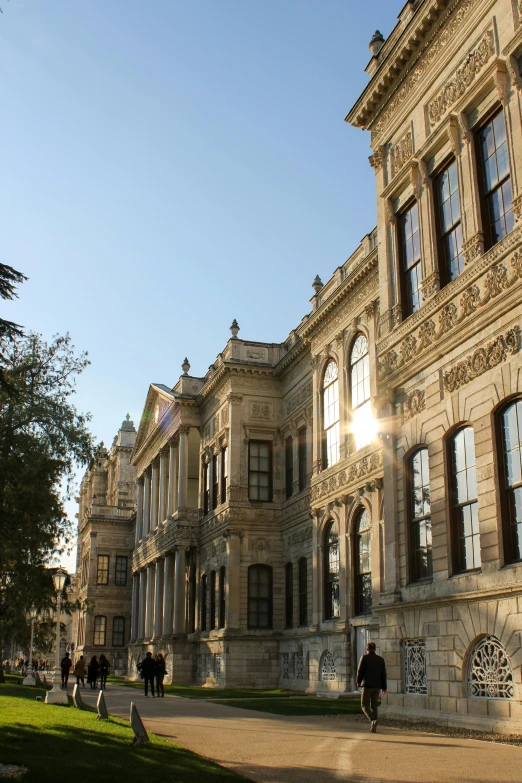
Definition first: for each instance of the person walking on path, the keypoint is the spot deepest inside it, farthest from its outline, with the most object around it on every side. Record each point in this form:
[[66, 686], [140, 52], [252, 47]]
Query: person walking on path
[[104, 671], [371, 675], [161, 671], [92, 672], [66, 668], [79, 671], [147, 669]]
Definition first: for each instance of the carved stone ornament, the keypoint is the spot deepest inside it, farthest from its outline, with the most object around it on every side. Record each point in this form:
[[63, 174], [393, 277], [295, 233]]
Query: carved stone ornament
[[496, 280], [350, 475], [261, 411], [414, 404], [473, 248], [369, 311], [463, 77], [300, 397], [482, 360], [377, 159], [517, 208], [430, 286], [298, 536], [402, 152]]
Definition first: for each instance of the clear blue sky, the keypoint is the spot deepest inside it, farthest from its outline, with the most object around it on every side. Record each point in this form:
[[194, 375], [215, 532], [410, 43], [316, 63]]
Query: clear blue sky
[[170, 165]]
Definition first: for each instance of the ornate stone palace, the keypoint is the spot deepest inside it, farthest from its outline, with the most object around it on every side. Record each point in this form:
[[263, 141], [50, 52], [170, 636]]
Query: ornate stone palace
[[102, 584], [363, 479]]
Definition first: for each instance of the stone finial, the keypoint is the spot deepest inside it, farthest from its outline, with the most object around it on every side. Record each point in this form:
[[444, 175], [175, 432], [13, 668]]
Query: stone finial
[[317, 284], [376, 43], [127, 423], [185, 366], [234, 329]]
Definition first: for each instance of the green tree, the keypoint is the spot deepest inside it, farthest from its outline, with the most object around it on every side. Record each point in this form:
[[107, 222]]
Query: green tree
[[9, 278], [42, 440]]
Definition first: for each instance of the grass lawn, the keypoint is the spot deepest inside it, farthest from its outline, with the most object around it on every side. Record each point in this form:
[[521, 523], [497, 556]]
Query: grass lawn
[[305, 706], [195, 692], [55, 742]]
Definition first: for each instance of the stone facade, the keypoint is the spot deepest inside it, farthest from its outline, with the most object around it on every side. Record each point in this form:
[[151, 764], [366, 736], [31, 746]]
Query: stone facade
[[359, 480], [102, 584]]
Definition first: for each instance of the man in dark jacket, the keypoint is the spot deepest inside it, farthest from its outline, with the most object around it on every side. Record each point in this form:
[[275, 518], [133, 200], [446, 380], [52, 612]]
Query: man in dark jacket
[[148, 670], [371, 674]]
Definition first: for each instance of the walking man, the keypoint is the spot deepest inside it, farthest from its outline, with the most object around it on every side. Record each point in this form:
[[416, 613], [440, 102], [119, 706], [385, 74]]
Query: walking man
[[371, 675], [147, 669]]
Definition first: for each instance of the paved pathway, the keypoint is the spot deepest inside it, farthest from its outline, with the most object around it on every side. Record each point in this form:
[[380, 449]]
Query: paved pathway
[[277, 749]]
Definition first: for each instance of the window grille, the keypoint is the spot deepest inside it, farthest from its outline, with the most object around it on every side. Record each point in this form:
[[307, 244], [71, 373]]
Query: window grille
[[328, 672], [217, 666], [299, 664], [286, 667], [415, 677], [490, 675]]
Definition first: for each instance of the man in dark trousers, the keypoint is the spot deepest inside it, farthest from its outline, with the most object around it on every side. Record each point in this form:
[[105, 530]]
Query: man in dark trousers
[[371, 674], [148, 671]]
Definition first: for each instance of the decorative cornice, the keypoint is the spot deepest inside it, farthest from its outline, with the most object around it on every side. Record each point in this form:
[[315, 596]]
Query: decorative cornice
[[482, 360], [346, 476]]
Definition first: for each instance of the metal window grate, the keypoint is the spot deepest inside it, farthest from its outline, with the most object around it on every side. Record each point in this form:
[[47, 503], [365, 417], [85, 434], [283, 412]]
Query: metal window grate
[[415, 676], [490, 675]]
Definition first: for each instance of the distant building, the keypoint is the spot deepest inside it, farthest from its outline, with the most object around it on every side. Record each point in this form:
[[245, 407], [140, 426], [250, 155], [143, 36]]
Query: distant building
[[105, 541]]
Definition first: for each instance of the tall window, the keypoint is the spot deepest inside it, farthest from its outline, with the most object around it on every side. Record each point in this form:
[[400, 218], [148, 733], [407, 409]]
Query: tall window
[[100, 624], [331, 414], [289, 595], [102, 577], [215, 481], [466, 535], [222, 582], [204, 602], [206, 488], [259, 596], [118, 632], [512, 481], [498, 220], [224, 473], [363, 563], [289, 466], [121, 571], [331, 572], [212, 600], [450, 230], [420, 515], [260, 470], [303, 592], [302, 458], [362, 419], [410, 247]]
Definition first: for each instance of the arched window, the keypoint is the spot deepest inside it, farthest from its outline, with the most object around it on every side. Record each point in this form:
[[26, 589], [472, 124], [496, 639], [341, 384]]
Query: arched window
[[464, 511], [420, 516], [212, 600], [331, 572], [222, 575], [511, 471], [259, 596], [363, 563], [327, 667], [118, 632], [204, 602], [332, 435], [289, 595], [303, 592], [363, 426], [489, 671]]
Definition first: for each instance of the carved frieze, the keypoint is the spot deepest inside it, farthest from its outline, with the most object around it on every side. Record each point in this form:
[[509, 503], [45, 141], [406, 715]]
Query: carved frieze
[[414, 404], [430, 286], [402, 152], [295, 509], [347, 476], [299, 398], [261, 411], [462, 78], [378, 158], [473, 248], [496, 280], [298, 536], [482, 360]]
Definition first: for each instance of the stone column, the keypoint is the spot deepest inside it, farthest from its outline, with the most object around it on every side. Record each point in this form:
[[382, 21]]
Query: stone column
[[149, 604], [172, 485], [146, 503], [179, 592], [168, 595], [135, 607], [391, 533], [162, 510], [142, 604], [139, 512], [317, 570], [183, 470], [154, 496], [233, 578], [158, 598]]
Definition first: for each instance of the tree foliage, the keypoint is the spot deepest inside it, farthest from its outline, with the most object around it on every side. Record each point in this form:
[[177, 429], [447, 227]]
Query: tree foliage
[[42, 439]]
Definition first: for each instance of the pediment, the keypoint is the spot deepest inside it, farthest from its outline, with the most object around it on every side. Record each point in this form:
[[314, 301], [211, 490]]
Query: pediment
[[159, 399]]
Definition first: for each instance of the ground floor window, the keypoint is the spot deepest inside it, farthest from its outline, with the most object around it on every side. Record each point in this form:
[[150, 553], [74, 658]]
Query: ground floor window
[[327, 667], [489, 674], [415, 678]]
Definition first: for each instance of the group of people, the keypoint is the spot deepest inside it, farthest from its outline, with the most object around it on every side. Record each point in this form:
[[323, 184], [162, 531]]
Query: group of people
[[97, 671], [22, 664], [153, 670]]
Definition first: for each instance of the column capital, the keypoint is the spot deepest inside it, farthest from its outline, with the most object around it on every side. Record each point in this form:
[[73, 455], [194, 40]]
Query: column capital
[[184, 429]]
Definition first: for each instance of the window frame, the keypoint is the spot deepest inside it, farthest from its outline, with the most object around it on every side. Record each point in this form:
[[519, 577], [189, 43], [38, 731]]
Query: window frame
[[302, 457], [505, 490], [413, 520], [215, 480], [114, 642], [455, 506], [204, 603], [102, 570], [212, 622], [289, 595], [289, 467], [224, 473], [258, 568], [362, 607], [480, 164], [206, 487], [120, 571], [302, 575], [440, 234], [97, 632], [222, 597], [334, 424], [406, 309], [331, 579], [269, 472]]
